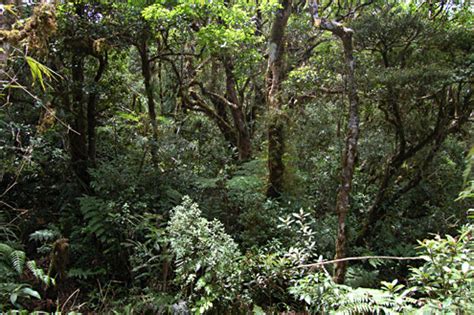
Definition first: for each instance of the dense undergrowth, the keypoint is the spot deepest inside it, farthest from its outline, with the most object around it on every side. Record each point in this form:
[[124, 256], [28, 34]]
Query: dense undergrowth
[[178, 157]]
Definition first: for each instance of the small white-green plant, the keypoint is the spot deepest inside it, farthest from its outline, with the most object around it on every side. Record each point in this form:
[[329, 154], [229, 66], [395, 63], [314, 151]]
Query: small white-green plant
[[207, 259]]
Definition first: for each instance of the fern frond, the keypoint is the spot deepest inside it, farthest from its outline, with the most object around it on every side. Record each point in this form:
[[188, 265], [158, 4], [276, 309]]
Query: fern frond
[[85, 274], [43, 235], [367, 301], [18, 258], [5, 250], [39, 274]]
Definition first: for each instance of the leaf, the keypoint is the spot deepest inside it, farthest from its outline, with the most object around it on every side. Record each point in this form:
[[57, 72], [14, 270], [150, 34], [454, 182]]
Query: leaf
[[14, 298], [128, 116], [8, 8], [37, 70], [465, 267], [5, 249], [18, 258], [257, 310], [31, 292], [42, 235]]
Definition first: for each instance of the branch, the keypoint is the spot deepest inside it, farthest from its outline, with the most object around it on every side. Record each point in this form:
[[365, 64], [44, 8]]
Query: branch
[[162, 55], [215, 96], [200, 105], [321, 263], [357, 8]]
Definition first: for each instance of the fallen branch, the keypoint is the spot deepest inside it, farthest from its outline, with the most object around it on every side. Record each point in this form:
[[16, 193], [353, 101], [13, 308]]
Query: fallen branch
[[321, 263]]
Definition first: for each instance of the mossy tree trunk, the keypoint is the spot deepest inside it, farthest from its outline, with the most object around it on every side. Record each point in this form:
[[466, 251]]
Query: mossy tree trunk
[[276, 126]]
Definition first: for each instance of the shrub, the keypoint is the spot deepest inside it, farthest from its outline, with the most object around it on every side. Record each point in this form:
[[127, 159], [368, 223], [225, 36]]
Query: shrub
[[208, 267]]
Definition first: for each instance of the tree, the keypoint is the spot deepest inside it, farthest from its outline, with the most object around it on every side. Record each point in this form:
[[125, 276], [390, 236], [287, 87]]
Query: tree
[[275, 76], [213, 33], [349, 154], [87, 38], [446, 94]]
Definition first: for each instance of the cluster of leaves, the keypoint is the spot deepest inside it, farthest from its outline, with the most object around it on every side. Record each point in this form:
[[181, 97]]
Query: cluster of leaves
[[447, 278], [443, 283], [213, 274], [17, 274], [238, 250], [207, 259]]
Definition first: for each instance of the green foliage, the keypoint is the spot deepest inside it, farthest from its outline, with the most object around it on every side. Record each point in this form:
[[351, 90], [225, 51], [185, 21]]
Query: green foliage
[[86, 273], [208, 266], [259, 219], [270, 270], [443, 283], [13, 265], [46, 238], [468, 191], [321, 294], [86, 157], [44, 235], [447, 278], [107, 225], [150, 257], [38, 70], [114, 216]]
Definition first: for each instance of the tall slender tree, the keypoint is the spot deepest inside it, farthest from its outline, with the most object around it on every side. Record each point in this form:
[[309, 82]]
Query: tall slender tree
[[349, 154]]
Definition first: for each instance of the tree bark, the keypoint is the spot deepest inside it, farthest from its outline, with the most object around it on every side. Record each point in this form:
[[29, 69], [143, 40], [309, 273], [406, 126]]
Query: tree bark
[[6, 22], [146, 72], [348, 158], [91, 112], [244, 145], [78, 141], [276, 139], [350, 151], [236, 131]]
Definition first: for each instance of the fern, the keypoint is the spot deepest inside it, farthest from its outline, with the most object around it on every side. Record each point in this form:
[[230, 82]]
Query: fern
[[44, 236], [5, 250], [84, 274], [360, 301], [39, 274], [323, 295], [12, 266], [14, 260], [96, 213], [18, 258]]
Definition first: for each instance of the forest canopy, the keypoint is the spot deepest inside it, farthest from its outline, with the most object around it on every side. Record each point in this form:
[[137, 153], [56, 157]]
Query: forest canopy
[[237, 156]]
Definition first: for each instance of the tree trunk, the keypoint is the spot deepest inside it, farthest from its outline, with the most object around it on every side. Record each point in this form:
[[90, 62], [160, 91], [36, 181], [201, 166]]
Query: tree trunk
[[348, 159], [276, 147], [350, 151], [78, 141], [91, 112], [146, 72], [244, 145], [6, 21]]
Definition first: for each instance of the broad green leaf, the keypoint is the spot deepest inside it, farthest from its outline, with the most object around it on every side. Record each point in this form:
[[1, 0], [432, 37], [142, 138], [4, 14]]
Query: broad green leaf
[[31, 292], [14, 298]]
